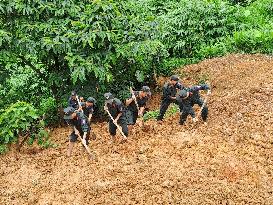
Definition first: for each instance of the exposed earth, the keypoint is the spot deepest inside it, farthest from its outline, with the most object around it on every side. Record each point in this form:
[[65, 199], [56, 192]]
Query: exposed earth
[[229, 161]]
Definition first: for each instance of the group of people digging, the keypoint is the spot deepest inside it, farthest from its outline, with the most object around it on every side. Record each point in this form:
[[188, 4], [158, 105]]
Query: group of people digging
[[124, 117]]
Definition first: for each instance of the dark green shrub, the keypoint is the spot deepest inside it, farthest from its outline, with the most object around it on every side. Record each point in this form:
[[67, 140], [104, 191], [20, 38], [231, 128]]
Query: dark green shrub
[[48, 108], [19, 123]]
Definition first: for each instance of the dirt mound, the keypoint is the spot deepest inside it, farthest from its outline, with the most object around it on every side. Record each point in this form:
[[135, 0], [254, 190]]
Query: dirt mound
[[229, 161]]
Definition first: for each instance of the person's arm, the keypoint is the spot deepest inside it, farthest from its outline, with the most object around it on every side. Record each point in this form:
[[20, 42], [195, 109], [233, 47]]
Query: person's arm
[[76, 131], [141, 111], [117, 118], [89, 117], [90, 114], [179, 86], [142, 106], [120, 112], [129, 101], [85, 128], [199, 87]]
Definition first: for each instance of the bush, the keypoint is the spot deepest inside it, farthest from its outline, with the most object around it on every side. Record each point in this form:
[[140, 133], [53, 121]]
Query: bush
[[48, 108], [190, 24], [20, 122], [253, 41]]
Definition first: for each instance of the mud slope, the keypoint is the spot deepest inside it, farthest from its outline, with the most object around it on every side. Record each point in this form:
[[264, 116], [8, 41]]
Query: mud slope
[[229, 161]]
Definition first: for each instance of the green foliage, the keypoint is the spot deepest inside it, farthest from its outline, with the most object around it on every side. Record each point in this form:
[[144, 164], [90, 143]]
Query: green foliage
[[48, 48], [173, 109], [20, 120], [190, 24], [241, 2], [48, 108], [253, 41], [168, 66]]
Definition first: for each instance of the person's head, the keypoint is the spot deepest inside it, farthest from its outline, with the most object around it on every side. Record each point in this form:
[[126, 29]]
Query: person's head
[[90, 101], [73, 94], [174, 79], [69, 113], [109, 98], [183, 94], [145, 91]]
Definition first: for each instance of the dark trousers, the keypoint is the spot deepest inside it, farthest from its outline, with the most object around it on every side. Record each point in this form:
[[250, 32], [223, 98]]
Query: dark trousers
[[186, 112], [73, 137], [113, 128], [164, 106]]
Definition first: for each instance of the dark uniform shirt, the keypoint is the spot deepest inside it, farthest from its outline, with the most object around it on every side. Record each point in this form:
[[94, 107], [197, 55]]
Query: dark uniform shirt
[[73, 103], [192, 99], [87, 110], [81, 122], [169, 90], [140, 101], [115, 108]]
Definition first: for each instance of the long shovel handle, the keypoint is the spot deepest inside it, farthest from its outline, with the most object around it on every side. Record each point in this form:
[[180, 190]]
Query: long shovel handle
[[120, 130], [85, 145], [134, 97], [79, 102]]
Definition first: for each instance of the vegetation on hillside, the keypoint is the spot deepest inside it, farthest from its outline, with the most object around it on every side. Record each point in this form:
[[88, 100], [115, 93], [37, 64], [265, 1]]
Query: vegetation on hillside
[[50, 47]]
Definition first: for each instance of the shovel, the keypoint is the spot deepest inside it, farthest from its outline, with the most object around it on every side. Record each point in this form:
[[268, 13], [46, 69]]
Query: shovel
[[92, 156], [134, 97], [119, 128], [93, 135]]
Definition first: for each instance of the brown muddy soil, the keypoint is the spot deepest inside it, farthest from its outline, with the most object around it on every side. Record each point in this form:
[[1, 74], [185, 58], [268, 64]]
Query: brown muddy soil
[[229, 161]]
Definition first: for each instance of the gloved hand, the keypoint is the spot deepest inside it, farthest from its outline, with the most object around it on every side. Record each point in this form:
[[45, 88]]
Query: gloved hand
[[194, 119], [105, 107], [115, 121]]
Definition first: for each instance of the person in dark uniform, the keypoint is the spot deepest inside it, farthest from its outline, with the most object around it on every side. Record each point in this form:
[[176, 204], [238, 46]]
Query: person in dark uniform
[[169, 95], [72, 101], [133, 110], [117, 110], [80, 125], [187, 98], [88, 107]]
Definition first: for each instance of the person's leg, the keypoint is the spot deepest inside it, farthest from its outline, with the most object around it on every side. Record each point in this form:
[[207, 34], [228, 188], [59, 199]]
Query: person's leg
[[112, 129], [129, 119], [183, 117], [72, 140], [180, 105], [163, 107], [124, 129], [204, 112]]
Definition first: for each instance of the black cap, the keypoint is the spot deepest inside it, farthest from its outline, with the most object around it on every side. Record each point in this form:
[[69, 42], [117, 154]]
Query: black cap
[[145, 89], [109, 97], [73, 93], [91, 100], [182, 93], [175, 77], [68, 112]]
